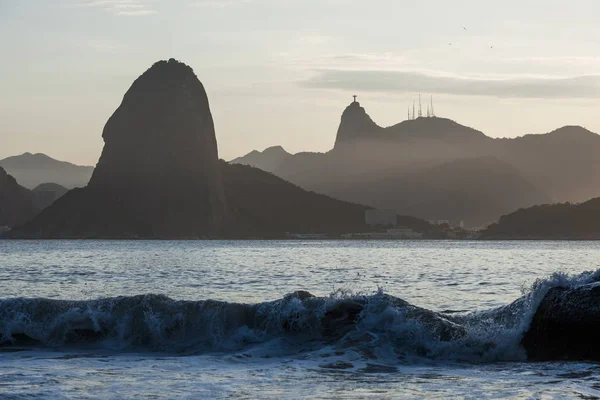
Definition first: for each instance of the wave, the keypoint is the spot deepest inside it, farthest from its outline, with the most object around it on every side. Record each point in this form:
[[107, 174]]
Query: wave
[[377, 326]]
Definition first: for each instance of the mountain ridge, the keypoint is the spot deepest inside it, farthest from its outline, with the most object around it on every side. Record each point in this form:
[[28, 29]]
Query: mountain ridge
[[33, 169], [559, 166], [549, 221], [159, 176]]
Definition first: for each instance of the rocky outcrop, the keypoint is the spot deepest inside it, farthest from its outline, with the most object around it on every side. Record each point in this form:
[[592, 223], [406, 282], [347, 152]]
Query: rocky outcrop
[[160, 155], [17, 204], [566, 325]]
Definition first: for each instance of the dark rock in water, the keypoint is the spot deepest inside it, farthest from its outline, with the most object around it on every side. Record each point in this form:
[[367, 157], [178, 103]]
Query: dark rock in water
[[340, 319], [566, 325], [17, 204]]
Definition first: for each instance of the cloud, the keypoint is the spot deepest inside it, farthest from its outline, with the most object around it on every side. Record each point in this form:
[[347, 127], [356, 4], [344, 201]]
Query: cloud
[[217, 3], [121, 7], [586, 86]]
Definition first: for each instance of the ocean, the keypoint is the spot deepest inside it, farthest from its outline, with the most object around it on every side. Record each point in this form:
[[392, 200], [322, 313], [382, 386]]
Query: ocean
[[219, 319]]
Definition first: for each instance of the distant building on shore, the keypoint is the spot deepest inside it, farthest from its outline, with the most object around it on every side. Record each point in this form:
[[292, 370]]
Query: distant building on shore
[[399, 233], [306, 236]]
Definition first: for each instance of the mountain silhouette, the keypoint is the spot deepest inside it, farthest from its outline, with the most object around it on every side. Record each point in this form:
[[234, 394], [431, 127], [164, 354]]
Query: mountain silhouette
[[48, 193], [565, 163], [549, 221], [31, 170], [435, 168], [159, 176], [469, 189], [356, 125], [267, 160], [17, 204]]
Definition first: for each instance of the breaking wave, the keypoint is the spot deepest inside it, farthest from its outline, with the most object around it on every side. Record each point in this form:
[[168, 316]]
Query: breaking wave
[[376, 326]]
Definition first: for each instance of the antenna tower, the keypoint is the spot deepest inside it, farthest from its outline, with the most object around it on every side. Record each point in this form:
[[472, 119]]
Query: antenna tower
[[420, 108]]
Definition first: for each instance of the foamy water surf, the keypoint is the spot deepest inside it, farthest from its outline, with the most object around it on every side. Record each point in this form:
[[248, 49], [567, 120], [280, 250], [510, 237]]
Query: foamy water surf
[[407, 322], [373, 327]]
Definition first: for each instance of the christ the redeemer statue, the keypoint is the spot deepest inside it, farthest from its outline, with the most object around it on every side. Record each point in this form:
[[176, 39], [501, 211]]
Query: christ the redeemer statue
[[355, 98]]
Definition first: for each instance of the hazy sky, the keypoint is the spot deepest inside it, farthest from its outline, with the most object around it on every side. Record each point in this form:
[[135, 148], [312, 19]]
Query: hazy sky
[[282, 71]]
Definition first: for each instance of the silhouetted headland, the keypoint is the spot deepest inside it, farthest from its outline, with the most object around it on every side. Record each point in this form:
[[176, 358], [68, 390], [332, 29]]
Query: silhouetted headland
[[549, 221], [159, 176]]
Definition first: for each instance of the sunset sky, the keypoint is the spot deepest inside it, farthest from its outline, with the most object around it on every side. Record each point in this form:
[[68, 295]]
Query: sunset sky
[[280, 72]]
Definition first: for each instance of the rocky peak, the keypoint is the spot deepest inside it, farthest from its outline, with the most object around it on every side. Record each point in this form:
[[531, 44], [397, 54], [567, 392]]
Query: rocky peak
[[573, 130], [160, 152], [355, 125]]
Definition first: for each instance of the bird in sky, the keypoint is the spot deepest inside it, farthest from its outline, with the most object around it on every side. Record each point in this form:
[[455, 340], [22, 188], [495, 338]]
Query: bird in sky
[[464, 28]]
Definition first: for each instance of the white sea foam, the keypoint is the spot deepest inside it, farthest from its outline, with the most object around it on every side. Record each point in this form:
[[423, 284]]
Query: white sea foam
[[376, 326]]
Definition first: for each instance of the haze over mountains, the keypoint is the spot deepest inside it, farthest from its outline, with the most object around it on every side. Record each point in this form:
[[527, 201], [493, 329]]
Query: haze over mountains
[[428, 167], [435, 168], [31, 170], [159, 176]]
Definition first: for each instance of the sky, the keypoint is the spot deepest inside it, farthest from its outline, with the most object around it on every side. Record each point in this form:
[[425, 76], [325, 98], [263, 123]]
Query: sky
[[281, 72]]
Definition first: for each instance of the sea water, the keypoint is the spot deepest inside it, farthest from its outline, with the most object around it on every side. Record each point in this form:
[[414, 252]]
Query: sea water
[[215, 319]]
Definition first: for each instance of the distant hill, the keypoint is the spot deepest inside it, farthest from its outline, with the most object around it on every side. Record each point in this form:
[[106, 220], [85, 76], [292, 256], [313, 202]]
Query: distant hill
[[476, 190], [356, 126], [31, 170], [17, 204], [435, 168], [159, 176], [265, 203], [48, 193], [549, 221], [565, 163], [268, 160]]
